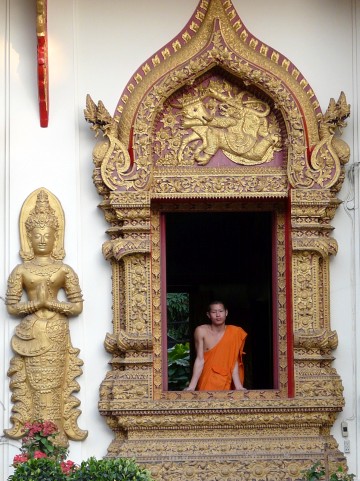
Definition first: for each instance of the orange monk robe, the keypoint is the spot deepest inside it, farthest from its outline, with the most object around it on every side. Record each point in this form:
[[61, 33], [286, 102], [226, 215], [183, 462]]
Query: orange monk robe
[[219, 361]]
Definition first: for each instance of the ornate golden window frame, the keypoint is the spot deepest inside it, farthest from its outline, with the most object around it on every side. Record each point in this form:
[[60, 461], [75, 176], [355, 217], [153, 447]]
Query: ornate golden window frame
[[220, 434]]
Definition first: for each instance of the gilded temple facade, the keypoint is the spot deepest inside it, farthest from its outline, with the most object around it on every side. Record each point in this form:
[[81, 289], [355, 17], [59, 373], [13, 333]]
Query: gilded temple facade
[[231, 112]]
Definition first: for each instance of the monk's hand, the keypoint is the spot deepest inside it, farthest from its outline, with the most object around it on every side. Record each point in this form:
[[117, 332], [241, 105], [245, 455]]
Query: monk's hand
[[189, 388], [241, 388]]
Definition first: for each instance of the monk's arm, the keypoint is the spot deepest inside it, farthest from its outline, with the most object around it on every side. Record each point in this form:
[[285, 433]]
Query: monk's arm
[[236, 378], [199, 361]]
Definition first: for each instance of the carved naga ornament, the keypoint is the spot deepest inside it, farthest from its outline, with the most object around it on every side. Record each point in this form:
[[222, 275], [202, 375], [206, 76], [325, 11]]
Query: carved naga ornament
[[221, 121]]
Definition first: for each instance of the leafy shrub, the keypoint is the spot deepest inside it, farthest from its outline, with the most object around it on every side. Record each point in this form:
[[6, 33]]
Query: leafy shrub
[[117, 469], [38, 469], [43, 460], [317, 472]]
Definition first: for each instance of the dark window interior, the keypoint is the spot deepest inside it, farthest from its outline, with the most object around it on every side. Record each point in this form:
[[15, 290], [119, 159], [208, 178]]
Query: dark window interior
[[223, 256]]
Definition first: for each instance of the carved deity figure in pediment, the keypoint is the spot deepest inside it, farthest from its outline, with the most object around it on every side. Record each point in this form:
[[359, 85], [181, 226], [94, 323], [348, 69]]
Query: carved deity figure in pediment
[[217, 116]]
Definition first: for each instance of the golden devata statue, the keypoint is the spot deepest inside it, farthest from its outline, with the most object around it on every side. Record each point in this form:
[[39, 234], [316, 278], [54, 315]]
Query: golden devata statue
[[45, 366]]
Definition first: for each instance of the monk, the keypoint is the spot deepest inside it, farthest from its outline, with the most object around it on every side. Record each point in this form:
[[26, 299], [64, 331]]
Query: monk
[[218, 365]]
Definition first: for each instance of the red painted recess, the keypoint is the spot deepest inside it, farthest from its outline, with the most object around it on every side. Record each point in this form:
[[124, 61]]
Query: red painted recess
[[42, 63]]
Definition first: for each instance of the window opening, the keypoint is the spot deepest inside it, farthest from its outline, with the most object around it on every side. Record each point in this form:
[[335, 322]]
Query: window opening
[[224, 256]]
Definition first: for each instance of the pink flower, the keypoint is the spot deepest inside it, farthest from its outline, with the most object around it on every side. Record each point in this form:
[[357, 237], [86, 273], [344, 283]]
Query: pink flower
[[67, 467], [38, 437], [39, 454], [20, 458], [45, 428], [49, 428]]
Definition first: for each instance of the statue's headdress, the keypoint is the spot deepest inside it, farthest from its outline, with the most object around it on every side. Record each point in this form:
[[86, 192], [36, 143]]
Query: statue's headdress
[[41, 209], [42, 214]]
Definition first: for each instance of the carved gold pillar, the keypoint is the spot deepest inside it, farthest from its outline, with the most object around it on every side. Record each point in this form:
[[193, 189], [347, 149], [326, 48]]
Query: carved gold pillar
[[311, 213], [131, 341]]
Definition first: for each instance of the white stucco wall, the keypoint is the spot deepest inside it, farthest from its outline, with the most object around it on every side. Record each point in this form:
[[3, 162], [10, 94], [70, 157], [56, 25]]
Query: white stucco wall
[[94, 47]]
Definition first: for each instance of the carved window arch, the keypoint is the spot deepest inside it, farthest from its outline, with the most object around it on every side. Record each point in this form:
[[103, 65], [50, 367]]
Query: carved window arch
[[219, 118]]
